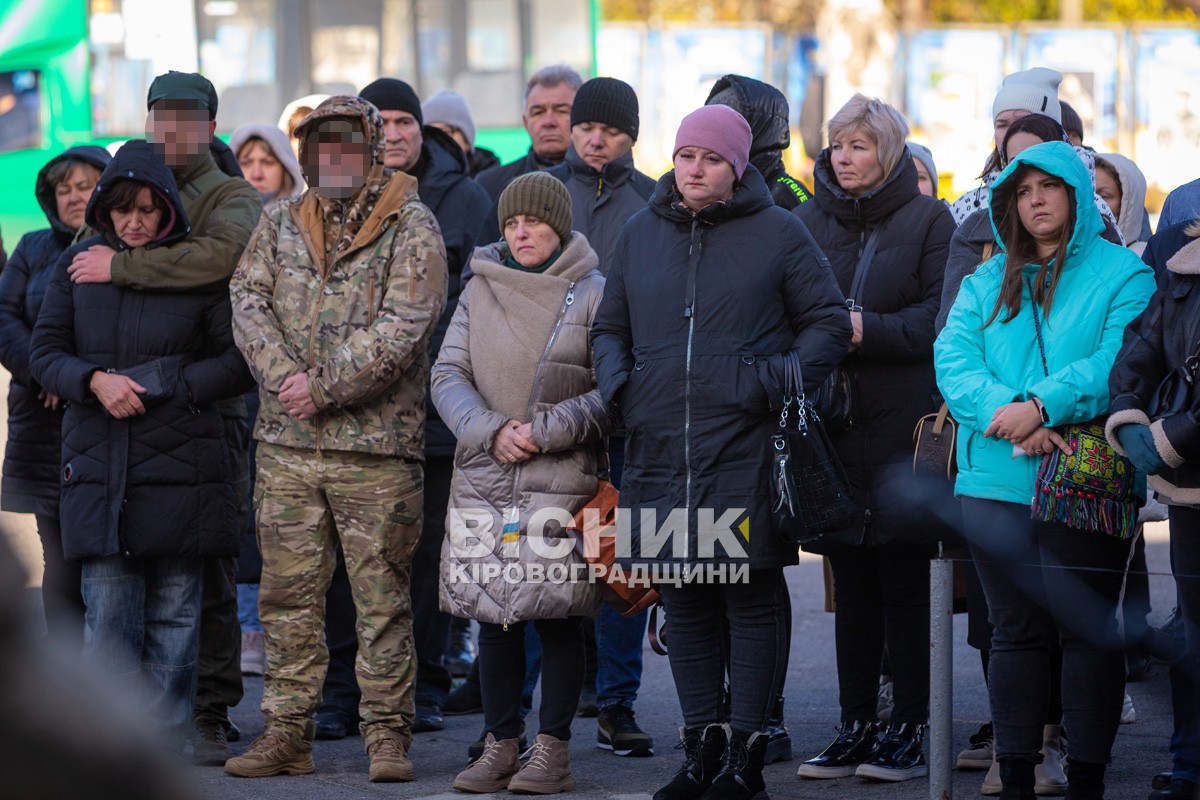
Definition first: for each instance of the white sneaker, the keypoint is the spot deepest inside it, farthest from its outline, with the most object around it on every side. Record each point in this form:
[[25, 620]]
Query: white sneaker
[[884, 703], [1128, 713]]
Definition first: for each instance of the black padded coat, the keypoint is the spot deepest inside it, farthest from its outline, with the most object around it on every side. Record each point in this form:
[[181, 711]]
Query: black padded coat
[[689, 372], [156, 484]]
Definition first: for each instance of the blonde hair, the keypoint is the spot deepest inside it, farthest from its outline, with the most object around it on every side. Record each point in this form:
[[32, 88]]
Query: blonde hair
[[880, 122], [1193, 229]]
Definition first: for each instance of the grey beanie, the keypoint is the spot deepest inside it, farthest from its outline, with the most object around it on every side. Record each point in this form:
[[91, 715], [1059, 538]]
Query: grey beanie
[[921, 153], [538, 194], [1033, 90], [450, 108]]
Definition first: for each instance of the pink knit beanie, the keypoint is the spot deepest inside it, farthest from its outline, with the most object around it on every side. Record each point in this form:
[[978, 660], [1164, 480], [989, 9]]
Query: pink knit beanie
[[720, 129]]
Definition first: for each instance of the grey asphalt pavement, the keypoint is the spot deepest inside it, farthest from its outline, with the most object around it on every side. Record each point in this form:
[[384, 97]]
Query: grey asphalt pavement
[[812, 713]]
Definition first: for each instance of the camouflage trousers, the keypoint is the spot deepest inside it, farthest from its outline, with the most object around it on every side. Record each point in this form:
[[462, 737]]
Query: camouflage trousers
[[306, 502]]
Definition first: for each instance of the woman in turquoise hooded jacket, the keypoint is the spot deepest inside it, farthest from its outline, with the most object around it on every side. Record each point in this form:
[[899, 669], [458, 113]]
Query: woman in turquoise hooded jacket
[[1041, 579]]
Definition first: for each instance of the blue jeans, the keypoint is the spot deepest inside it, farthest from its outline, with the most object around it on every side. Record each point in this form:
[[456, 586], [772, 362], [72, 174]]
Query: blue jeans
[[1185, 670], [618, 639], [247, 594], [143, 616], [1044, 581], [618, 657]]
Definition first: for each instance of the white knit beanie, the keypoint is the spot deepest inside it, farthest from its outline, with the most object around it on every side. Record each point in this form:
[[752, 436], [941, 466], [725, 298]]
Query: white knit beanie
[[1033, 90]]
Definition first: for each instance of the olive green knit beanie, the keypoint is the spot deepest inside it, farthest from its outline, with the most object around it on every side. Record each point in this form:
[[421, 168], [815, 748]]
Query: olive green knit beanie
[[540, 195]]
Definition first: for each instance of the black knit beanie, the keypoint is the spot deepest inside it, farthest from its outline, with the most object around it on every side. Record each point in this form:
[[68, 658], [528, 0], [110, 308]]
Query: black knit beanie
[[392, 94], [608, 101]]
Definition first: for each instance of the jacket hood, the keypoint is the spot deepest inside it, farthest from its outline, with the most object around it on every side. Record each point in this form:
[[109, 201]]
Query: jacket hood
[[868, 209], [442, 165], [1061, 160], [277, 140], [98, 157], [137, 161], [615, 172], [344, 107], [1133, 196], [309, 101], [763, 106], [751, 195]]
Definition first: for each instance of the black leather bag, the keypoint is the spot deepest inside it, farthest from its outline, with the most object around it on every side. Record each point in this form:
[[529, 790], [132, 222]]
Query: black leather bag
[[834, 399], [1176, 392], [810, 491]]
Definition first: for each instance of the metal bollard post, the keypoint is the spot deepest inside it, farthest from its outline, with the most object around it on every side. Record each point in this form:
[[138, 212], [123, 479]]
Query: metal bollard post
[[941, 677]]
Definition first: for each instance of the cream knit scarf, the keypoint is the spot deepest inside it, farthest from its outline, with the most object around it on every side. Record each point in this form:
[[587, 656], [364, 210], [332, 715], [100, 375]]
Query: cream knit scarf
[[512, 315]]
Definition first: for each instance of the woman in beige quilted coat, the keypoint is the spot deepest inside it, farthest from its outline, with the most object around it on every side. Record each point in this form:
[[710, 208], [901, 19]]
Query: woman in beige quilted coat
[[514, 381]]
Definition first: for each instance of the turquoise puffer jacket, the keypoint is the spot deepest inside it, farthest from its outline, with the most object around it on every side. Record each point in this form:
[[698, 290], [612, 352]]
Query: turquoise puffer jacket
[[1102, 289]]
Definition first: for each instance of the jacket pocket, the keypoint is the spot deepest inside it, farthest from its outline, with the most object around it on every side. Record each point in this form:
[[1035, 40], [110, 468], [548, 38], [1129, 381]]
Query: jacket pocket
[[752, 395], [632, 393]]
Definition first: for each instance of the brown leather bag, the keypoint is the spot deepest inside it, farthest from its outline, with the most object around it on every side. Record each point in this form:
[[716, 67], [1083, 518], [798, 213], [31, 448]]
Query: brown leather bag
[[600, 552]]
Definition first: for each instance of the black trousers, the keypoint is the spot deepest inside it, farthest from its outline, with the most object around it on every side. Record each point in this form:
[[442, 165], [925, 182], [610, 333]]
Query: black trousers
[[219, 668], [757, 614], [882, 596], [1046, 581], [502, 675], [62, 597]]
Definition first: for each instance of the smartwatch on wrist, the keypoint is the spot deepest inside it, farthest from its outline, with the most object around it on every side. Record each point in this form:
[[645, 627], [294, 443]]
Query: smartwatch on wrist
[[1041, 411]]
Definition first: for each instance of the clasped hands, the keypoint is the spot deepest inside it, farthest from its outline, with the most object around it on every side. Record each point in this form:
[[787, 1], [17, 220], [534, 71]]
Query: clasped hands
[[1021, 424], [514, 443]]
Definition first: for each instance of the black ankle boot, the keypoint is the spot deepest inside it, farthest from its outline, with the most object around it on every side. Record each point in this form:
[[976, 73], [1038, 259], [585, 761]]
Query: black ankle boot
[[899, 756], [779, 741], [741, 776], [703, 754], [1085, 780], [1016, 775]]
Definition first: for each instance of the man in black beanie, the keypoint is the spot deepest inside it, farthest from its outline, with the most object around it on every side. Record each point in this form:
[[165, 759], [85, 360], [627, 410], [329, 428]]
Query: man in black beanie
[[459, 204], [606, 190]]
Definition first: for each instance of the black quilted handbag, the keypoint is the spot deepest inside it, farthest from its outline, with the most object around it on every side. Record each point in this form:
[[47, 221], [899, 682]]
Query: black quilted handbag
[[809, 487]]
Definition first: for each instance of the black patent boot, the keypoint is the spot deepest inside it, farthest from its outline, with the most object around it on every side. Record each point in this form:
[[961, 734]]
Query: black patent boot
[[779, 741], [741, 776], [854, 744], [703, 754], [899, 756]]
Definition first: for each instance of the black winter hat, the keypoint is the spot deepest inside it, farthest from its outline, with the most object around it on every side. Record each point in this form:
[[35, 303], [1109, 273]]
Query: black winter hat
[[608, 101], [392, 94]]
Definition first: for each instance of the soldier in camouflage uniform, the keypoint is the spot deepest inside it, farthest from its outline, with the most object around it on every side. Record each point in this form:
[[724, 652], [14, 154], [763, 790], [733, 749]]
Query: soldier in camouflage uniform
[[333, 304]]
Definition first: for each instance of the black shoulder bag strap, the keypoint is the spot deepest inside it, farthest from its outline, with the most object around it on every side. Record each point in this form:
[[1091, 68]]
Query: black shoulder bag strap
[[854, 301]]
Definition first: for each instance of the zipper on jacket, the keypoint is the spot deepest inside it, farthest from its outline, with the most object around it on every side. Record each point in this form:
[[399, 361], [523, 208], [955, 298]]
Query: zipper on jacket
[[312, 328], [567, 302], [689, 311], [515, 513], [599, 186]]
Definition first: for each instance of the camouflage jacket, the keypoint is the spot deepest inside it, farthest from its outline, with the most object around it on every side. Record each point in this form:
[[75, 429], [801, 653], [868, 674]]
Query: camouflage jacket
[[358, 322]]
